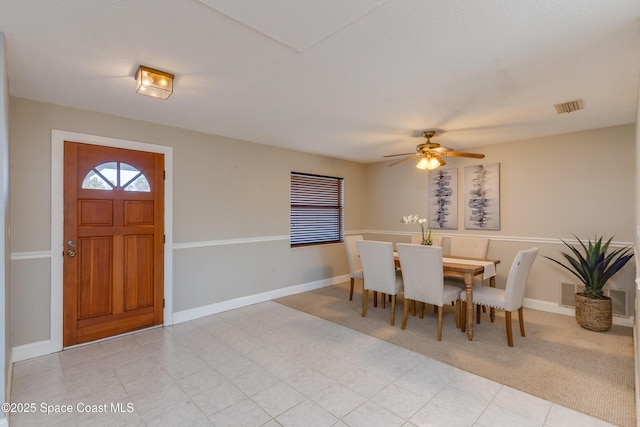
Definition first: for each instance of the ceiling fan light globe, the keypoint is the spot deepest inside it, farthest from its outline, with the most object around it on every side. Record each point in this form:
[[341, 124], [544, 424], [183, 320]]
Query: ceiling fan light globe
[[423, 163], [430, 163]]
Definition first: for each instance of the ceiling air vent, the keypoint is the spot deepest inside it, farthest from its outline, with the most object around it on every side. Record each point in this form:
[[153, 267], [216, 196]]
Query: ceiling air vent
[[570, 106]]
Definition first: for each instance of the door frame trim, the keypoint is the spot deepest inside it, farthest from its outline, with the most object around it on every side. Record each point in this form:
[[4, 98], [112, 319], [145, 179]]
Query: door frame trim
[[57, 220]]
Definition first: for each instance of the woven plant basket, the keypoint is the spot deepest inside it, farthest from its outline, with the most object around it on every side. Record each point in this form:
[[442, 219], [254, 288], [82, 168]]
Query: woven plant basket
[[593, 314]]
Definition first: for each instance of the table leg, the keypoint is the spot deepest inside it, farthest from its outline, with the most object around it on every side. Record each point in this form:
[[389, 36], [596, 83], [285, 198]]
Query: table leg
[[468, 282]]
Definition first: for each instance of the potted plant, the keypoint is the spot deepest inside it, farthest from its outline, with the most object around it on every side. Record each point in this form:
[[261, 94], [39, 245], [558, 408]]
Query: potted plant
[[594, 267], [425, 233]]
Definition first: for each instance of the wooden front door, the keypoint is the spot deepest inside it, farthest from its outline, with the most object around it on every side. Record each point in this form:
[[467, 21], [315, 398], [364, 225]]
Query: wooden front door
[[113, 241]]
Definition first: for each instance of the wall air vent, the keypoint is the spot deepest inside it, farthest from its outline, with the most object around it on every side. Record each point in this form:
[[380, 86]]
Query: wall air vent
[[619, 302], [568, 107], [568, 294]]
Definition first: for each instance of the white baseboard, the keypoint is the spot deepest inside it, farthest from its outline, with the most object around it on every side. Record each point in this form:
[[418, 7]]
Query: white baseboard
[[29, 351], [41, 348], [207, 310], [8, 387]]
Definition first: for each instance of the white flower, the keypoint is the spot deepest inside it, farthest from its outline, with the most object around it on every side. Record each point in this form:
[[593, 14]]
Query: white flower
[[425, 232], [412, 219]]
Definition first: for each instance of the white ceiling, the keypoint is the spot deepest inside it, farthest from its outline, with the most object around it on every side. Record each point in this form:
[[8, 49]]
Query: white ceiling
[[353, 79]]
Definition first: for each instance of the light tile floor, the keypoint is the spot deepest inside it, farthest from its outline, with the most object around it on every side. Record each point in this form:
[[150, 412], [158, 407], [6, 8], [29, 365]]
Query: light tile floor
[[265, 365]]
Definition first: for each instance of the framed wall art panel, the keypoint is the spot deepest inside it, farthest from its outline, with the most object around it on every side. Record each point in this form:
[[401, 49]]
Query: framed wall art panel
[[482, 197], [443, 199]]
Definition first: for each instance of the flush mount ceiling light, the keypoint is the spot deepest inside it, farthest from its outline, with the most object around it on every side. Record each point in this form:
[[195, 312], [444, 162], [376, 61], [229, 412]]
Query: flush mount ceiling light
[[154, 83]]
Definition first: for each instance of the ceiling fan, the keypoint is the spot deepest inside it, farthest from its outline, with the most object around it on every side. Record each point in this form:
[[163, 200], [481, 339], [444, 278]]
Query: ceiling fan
[[431, 153]]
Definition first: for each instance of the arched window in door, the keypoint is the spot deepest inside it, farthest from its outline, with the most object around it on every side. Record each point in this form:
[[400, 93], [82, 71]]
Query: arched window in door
[[111, 175]]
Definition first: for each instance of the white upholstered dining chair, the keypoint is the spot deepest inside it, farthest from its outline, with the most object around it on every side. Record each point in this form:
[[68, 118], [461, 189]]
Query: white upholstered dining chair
[[379, 273], [423, 279], [469, 247], [509, 299], [355, 266]]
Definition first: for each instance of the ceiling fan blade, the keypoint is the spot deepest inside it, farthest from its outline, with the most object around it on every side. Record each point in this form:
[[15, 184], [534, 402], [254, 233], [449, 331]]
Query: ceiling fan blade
[[462, 154], [396, 155], [441, 149], [440, 159], [408, 158]]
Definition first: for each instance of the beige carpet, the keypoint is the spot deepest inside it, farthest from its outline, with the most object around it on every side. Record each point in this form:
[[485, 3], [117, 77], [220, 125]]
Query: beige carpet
[[590, 372]]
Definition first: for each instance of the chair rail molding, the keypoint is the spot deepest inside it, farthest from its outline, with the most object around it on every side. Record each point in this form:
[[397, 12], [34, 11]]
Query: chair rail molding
[[497, 238], [20, 256], [223, 242]]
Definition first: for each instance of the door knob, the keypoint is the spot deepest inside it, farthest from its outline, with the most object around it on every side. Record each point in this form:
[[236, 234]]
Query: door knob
[[71, 253]]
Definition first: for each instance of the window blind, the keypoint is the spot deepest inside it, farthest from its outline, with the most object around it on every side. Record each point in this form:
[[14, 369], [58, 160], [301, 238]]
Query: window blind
[[316, 209]]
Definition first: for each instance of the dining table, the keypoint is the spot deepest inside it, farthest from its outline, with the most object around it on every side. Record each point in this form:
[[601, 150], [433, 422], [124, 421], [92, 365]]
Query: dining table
[[467, 268]]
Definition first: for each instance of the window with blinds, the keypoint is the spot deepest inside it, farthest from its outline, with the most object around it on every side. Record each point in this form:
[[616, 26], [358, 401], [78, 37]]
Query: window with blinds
[[316, 209]]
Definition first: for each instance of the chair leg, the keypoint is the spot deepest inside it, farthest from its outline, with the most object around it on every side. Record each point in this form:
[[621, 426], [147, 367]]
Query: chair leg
[[375, 299], [492, 311], [365, 300], [521, 320], [382, 300], [463, 316], [351, 291], [393, 309], [421, 310], [484, 307], [457, 302], [439, 323], [478, 313], [413, 308], [405, 313], [507, 319]]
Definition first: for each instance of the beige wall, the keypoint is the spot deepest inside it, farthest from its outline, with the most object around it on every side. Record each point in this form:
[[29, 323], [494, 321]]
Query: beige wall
[[230, 212], [231, 207], [5, 336], [637, 262], [580, 183]]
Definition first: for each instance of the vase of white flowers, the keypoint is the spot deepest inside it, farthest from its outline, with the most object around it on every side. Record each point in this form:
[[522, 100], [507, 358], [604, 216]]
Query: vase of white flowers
[[424, 231]]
